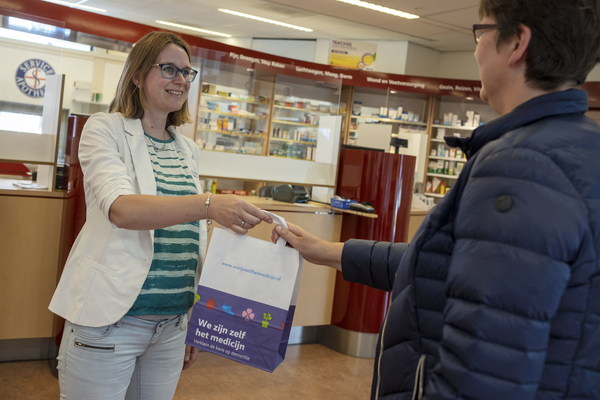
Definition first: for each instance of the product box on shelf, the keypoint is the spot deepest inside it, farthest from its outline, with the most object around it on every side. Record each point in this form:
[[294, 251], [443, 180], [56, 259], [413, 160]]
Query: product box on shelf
[[469, 119], [209, 89], [454, 121]]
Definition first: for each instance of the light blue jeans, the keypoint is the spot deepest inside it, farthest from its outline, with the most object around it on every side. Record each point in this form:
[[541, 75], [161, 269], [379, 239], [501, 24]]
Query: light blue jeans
[[131, 359]]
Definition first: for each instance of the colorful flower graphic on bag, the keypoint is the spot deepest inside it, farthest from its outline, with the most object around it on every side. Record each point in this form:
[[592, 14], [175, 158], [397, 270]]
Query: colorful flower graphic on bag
[[227, 309], [210, 303], [267, 317], [196, 298], [248, 314]]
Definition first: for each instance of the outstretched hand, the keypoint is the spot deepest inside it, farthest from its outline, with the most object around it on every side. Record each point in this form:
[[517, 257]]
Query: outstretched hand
[[312, 249], [234, 213]]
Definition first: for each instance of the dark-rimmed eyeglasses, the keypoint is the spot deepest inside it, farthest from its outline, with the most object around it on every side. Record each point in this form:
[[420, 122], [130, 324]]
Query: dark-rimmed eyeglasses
[[170, 71], [480, 29]]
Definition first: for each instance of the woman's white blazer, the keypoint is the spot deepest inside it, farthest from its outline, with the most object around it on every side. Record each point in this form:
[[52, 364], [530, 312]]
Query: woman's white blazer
[[107, 266]]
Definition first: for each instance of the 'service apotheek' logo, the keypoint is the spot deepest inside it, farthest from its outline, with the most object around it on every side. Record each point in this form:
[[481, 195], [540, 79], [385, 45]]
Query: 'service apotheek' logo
[[31, 77]]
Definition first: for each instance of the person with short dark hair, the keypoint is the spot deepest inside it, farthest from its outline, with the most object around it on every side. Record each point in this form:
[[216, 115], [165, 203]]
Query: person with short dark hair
[[132, 273], [497, 297]]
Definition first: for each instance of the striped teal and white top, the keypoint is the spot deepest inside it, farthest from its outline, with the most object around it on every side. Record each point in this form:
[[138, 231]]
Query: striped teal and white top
[[169, 288]]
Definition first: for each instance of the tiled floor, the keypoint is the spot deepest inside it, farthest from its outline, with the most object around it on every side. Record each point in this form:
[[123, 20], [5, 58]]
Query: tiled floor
[[309, 372]]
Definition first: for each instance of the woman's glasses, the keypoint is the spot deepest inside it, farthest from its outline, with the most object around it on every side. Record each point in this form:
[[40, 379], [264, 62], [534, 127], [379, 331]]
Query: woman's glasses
[[170, 71]]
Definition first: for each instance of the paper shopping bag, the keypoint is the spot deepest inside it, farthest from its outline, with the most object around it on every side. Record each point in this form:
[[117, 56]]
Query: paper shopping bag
[[246, 299]]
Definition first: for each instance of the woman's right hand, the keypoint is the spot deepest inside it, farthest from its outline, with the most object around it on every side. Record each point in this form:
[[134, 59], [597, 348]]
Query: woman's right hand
[[234, 213]]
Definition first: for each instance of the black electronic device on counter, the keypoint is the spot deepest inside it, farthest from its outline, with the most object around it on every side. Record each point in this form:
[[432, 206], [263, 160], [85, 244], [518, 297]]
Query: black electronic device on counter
[[364, 207], [290, 194], [397, 143]]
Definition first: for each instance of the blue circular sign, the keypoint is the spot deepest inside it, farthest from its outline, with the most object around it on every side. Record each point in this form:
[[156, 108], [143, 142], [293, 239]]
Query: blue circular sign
[[31, 77]]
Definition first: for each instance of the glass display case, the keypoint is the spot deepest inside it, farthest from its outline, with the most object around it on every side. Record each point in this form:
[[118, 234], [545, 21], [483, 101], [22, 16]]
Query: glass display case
[[247, 109], [298, 106], [455, 116], [234, 108], [404, 112]]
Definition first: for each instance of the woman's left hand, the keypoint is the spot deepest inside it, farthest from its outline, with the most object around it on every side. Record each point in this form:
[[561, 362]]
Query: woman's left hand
[[190, 356]]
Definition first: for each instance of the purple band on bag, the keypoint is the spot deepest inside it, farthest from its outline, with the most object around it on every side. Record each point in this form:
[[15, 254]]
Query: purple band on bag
[[240, 329]]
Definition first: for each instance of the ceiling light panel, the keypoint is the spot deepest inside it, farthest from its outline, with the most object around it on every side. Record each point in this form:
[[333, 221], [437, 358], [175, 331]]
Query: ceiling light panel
[[269, 21], [192, 28], [77, 5], [379, 8]]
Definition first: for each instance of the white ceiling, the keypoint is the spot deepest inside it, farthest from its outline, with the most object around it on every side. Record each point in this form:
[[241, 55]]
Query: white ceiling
[[444, 25]]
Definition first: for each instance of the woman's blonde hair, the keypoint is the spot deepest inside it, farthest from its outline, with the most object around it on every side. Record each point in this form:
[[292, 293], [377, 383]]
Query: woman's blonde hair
[[129, 99]]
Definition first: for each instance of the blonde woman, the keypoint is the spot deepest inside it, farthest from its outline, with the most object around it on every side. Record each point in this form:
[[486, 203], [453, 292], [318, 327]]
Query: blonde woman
[[130, 278]]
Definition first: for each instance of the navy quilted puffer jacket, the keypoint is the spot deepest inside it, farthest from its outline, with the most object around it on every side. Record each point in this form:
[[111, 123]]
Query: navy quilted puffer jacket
[[498, 294]]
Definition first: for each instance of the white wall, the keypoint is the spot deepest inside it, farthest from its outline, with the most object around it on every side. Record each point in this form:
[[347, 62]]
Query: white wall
[[245, 43], [14, 53], [422, 61], [76, 65], [322, 49], [391, 57], [594, 75], [297, 49], [458, 65]]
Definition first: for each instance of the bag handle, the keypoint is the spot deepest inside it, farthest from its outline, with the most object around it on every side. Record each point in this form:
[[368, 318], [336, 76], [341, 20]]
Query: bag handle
[[279, 221]]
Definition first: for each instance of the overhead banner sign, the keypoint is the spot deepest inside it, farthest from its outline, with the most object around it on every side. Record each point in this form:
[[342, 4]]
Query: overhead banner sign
[[336, 75], [352, 54]]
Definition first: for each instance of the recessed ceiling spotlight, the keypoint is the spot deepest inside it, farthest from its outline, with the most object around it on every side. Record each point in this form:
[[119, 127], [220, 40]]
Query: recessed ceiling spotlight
[[379, 8], [192, 28], [261, 19], [469, 98], [76, 5]]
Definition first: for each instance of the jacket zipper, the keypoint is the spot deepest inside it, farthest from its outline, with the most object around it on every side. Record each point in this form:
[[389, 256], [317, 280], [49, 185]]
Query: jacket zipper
[[419, 378], [380, 353], [419, 373], [89, 346]]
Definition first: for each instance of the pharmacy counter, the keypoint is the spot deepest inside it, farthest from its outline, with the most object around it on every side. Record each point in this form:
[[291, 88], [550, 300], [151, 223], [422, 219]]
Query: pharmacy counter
[[34, 241]]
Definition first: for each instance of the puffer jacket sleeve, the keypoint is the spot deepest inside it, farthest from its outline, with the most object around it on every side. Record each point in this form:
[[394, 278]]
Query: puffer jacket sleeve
[[372, 263], [519, 228]]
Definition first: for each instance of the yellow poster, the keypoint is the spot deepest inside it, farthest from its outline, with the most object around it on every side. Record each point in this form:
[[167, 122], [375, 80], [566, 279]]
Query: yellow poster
[[352, 54]]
